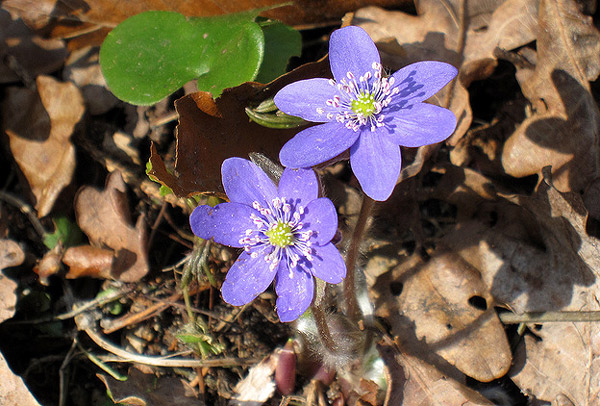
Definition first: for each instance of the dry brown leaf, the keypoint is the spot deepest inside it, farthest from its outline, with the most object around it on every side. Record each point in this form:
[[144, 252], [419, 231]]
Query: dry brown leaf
[[26, 54], [563, 131], [91, 261], [412, 381], [103, 215], [12, 389], [39, 128], [49, 265], [435, 34], [535, 255], [143, 389], [258, 386], [11, 254], [211, 131], [564, 363], [442, 307], [95, 19]]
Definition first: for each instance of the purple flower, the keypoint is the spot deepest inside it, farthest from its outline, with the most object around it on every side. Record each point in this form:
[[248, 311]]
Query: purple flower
[[285, 231], [363, 110]]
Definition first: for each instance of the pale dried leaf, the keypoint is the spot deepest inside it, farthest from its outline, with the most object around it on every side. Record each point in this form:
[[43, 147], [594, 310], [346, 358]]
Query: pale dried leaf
[[536, 256], [412, 381], [540, 365], [39, 130], [258, 386], [11, 254], [13, 391], [563, 130], [442, 307], [104, 217]]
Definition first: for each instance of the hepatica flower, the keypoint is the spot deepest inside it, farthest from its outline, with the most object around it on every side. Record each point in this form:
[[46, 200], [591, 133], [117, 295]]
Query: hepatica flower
[[285, 232], [365, 111]]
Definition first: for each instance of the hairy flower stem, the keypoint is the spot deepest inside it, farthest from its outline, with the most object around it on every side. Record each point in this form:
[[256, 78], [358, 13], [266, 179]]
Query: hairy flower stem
[[352, 256], [323, 328]]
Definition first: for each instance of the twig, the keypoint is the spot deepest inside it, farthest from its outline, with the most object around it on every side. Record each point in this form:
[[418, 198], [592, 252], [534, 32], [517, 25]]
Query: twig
[[548, 317], [101, 301], [25, 209], [84, 322]]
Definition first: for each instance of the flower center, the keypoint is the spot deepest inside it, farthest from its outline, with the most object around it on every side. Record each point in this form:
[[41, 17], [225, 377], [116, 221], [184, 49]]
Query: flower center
[[360, 101], [280, 234], [364, 105]]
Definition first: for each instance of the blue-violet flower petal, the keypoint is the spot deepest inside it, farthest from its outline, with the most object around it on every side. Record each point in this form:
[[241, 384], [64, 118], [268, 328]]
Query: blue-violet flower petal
[[286, 233], [363, 110]]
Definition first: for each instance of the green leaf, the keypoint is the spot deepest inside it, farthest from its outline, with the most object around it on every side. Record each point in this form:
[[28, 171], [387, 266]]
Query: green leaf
[[150, 55], [67, 232], [281, 43]]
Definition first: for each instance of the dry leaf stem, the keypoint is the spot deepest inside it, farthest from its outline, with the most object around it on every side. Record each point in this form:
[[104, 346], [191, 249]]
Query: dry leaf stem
[[352, 256], [546, 317]]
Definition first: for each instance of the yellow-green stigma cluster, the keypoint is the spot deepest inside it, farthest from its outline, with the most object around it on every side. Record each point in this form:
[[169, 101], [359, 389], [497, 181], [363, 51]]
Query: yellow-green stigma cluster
[[280, 234], [364, 105]]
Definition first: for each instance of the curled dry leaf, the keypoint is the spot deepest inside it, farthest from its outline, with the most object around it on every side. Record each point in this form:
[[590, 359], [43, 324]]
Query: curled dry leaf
[[143, 389], [39, 128], [563, 131], [436, 34], [412, 381], [442, 308], [211, 131], [104, 217], [24, 53], [91, 261]]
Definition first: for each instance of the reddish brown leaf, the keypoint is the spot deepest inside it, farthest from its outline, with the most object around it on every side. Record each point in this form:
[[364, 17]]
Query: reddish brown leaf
[[95, 19], [104, 217], [39, 128], [88, 261], [211, 131]]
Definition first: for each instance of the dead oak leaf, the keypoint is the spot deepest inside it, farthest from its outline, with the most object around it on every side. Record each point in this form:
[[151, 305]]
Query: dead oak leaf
[[563, 131], [540, 363], [103, 215], [39, 127], [412, 381], [442, 310]]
